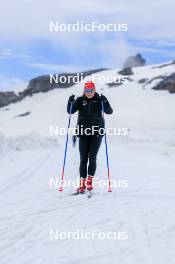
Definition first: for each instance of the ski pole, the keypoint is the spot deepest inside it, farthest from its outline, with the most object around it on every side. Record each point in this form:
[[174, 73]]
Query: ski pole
[[107, 156], [65, 151]]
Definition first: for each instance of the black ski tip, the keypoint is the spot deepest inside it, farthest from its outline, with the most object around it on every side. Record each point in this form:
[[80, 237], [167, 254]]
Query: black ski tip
[[77, 193], [89, 194]]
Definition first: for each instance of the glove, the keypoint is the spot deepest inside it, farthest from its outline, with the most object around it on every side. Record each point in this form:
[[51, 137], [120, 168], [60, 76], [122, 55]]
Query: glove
[[72, 98], [103, 98]]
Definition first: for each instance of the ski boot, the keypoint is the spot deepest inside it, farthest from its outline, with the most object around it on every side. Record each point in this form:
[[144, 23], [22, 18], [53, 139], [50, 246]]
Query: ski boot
[[82, 187], [89, 185]]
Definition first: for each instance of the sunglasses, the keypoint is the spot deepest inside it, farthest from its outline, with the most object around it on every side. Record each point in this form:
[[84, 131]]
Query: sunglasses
[[89, 90]]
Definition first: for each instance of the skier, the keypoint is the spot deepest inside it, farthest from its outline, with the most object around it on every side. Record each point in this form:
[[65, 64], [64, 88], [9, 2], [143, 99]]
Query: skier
[[89, 106]]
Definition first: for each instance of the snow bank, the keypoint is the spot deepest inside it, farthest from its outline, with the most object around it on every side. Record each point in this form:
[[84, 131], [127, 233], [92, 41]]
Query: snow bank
[[26, 142]]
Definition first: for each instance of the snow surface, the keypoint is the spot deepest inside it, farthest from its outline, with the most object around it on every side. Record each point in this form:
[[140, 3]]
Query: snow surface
[[29, 157]]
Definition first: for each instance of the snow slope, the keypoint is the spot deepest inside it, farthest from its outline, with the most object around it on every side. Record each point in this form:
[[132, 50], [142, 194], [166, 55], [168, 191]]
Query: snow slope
[[30, 207]]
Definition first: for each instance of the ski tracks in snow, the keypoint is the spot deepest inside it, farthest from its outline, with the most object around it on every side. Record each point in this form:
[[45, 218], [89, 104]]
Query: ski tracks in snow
[[25, 174], [30, 210]]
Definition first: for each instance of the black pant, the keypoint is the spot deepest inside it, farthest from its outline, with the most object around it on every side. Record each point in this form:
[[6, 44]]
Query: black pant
[[88, 147]]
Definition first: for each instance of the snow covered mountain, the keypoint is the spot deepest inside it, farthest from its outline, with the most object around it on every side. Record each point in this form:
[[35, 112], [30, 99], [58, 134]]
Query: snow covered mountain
[[133, 102], [30, 157]]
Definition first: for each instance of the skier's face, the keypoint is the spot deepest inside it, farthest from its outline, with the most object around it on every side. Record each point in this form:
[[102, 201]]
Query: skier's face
[[89, 93]]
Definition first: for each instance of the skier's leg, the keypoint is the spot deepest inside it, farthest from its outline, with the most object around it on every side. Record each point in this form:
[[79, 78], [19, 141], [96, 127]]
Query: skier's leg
[[93, 150], [83, 149]]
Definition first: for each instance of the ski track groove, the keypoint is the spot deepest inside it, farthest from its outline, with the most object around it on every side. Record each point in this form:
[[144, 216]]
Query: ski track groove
[[69, 211], [22, 176]]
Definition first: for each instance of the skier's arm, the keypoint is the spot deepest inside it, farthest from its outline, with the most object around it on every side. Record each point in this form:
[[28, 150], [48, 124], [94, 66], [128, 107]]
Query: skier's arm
[[107, 107], [75, 104]]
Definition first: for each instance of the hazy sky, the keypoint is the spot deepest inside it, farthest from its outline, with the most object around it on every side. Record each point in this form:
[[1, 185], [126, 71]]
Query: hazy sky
[[28, 49]]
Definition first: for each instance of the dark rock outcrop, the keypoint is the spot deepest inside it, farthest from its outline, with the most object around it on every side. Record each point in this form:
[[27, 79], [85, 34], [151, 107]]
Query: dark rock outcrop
[[114, 84], [164, 65], [134, 61], [126, 72], [7, 98], [144, 80], [42, 84], [167, 83], [65, 80], [24, 114], [118, 83]]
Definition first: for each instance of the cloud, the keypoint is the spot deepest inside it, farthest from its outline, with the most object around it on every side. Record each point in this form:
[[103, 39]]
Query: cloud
[[11, 84], [53, 67], [135, 49], [31, 18], [23, 22], [10, 54]]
